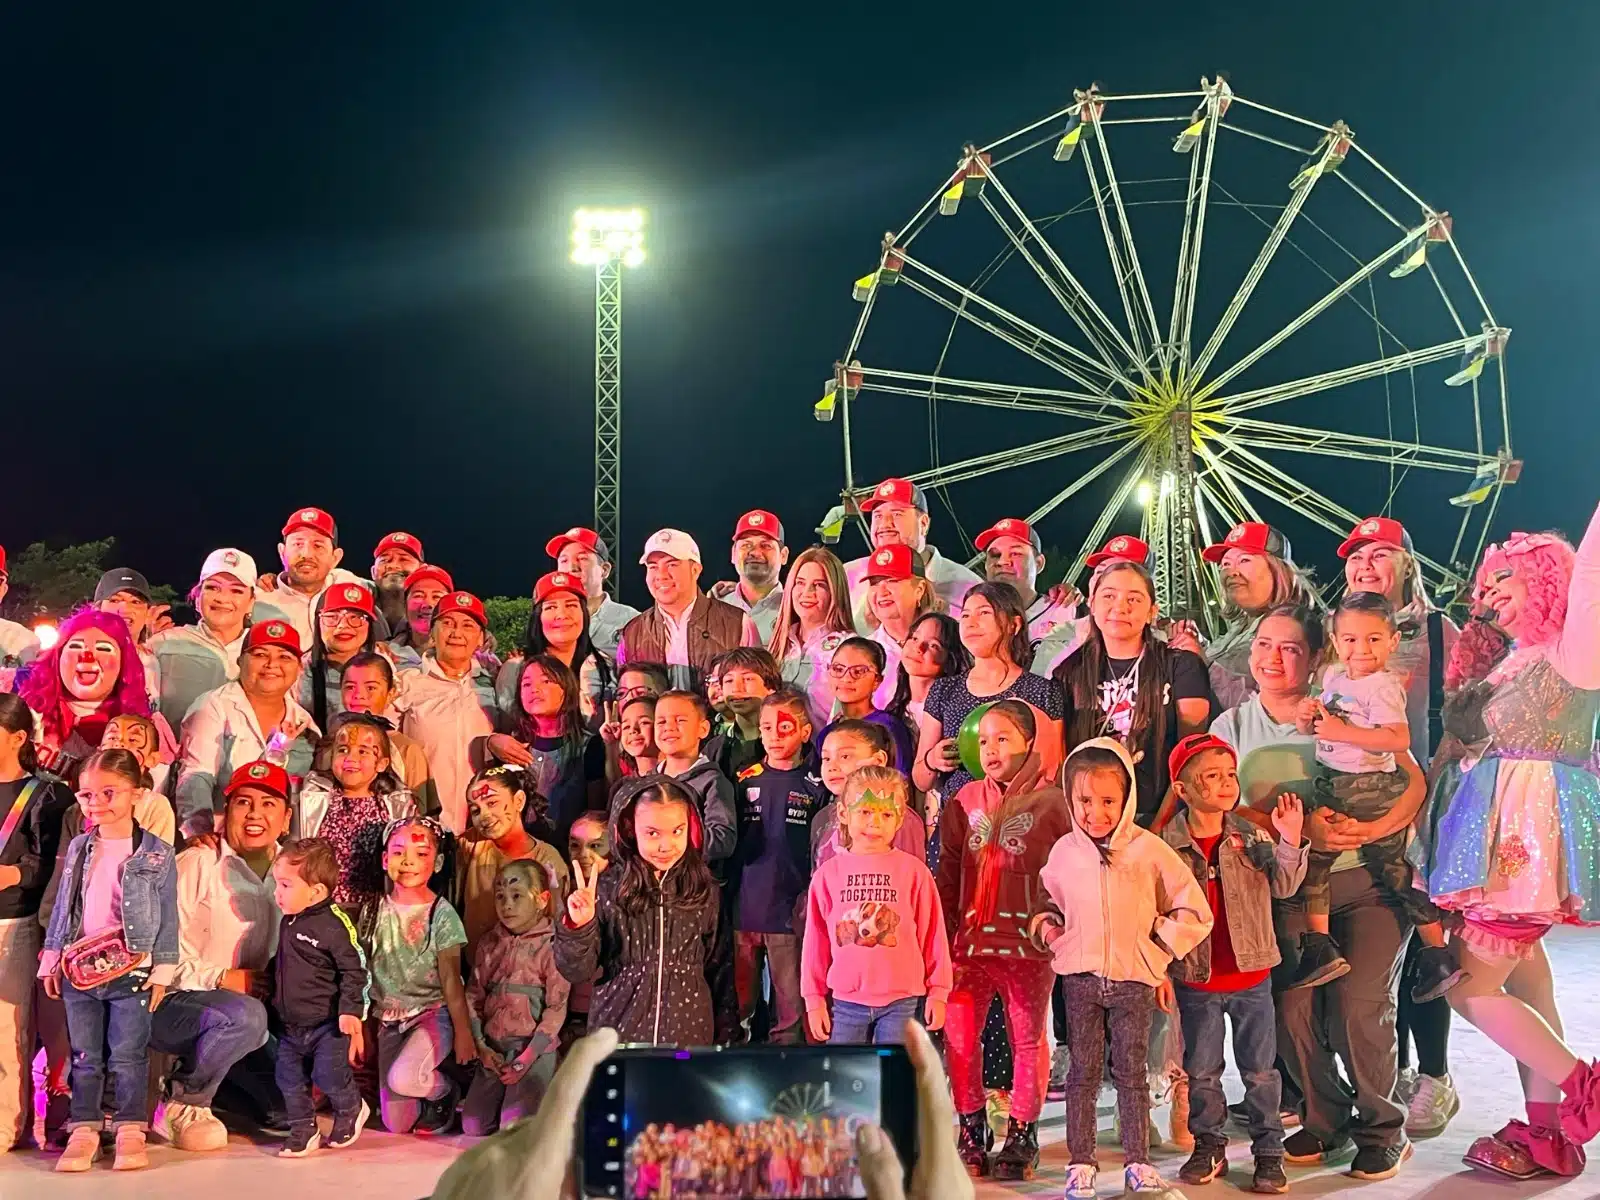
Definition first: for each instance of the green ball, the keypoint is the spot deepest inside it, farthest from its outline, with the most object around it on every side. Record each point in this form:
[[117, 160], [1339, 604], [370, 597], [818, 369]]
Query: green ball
[[967, 740]]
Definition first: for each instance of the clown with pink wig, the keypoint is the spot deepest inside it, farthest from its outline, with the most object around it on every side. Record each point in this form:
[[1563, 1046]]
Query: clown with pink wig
[[1510, 843]]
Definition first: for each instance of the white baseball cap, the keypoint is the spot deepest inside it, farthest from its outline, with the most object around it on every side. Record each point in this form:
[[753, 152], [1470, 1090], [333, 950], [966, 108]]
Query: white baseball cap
[[674, 543], [229, 561]]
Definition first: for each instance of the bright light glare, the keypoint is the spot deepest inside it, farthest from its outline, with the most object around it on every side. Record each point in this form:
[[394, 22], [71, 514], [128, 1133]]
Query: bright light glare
[[47, 634], [1144, 493], [603, 235], [1167, 482]]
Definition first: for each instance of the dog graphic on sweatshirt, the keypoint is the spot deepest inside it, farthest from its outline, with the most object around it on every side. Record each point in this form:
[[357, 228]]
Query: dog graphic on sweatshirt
[[871, 923]]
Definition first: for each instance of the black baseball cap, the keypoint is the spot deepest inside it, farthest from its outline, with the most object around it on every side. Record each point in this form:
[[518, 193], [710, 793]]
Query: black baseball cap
[[121, 579]]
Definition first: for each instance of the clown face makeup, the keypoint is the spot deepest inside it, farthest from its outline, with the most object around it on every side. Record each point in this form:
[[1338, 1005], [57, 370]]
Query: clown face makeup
[[90, 663], [495, 808], [136, 734], [783, 735], [359, 754], [409, 856]]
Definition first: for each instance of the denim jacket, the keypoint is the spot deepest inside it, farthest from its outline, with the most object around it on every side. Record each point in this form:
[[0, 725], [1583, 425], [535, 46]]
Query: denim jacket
[[1253, 871], [149, 898]]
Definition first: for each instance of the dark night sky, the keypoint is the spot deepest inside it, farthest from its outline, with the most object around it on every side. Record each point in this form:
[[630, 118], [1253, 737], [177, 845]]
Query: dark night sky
[[257, 256]]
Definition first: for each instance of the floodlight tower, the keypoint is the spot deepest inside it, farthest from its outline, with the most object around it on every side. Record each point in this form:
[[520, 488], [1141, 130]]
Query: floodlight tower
[[608, 239]]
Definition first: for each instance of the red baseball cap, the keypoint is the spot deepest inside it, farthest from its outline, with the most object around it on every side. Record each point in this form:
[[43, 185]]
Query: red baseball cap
[[1010, 527], [400, 541], [558, 581], [894, 562], [348, 596], [428, 571], [1376, 529], [759, 520], [2, 560], [896, 491], [461, 602], [1196, 743], [273, 633], [268, 776], [1257, 537], [312, 518], [1122, 548], [586, 538]]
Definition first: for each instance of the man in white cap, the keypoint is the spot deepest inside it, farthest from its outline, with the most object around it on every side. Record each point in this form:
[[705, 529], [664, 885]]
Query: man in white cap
[[310, 555], [899, 512], [19, 646], [194, 659], [685, 628], [584, 553], [759, 556]]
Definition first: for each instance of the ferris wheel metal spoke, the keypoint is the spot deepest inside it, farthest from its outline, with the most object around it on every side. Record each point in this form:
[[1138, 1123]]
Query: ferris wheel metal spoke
[[1129, 247], [963, 391], [1273, 435], [1223, 491], [1109, 514], [1022, 456], [1142, 351], [1196, 203], [1293, 389]]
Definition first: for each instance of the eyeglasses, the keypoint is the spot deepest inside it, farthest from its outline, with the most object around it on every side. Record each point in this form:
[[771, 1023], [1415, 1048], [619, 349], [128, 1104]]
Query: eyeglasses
[[854, 674], [105, 795], [344, 616]]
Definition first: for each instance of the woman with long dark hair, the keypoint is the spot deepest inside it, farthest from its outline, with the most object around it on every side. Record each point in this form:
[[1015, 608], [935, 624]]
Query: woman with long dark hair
[[560, 755], [347, 625], [558, 625]]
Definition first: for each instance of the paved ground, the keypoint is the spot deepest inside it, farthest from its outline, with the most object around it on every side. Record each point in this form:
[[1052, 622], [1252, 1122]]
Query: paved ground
[[395, 1168]]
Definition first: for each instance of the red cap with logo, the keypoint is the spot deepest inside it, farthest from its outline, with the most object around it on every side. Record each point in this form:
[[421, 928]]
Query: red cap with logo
[[1012, 527], [400, 541], [1122, 548], [461, 602], [428, 571], [313, 519], [1376, 529], [587, 538], [557, 581], [1255, 537], [1196, 743], [348, 596], [273, 633], [759, 520], [893, 562], [268, 776], [896, 491]]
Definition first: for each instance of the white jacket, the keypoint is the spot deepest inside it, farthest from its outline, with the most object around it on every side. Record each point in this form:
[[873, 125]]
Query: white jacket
[[445, 717], [286, 604], [227, 918], [311, 808], [193, 661], [220, 734]]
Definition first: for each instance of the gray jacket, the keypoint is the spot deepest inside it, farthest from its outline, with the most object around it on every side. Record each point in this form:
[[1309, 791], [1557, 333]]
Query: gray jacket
[[317, 793], [1253, 871]]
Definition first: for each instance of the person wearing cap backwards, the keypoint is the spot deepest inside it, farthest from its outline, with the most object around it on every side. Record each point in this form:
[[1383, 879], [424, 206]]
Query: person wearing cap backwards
[[1258, 575], [685, 628], [194, 659], [582, 552], [423, 590], [214, 1018], [126, 592], [256, 716], [899, 512], [310, 555], [18, 644], [759, 556], [447, 705], [347, 625], [393, 561]]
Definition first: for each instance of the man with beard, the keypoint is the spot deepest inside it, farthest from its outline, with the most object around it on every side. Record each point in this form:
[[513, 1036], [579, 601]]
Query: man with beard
[[393, 561], [310, 555], [194, 659], [582, 552], [759, 556], [685, 628], [420, 595], [18, 644], [899, 512], [1012, 554]]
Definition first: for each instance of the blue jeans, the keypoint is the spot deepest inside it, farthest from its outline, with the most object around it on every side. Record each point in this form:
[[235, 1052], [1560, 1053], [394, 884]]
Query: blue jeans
[[1255, 1047], [329, 1053], [883, 1025], [113, 1017], [209, 1032]]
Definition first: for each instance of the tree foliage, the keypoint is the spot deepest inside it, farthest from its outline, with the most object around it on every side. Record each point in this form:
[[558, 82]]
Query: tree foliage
[[508, 621], [54, 582]]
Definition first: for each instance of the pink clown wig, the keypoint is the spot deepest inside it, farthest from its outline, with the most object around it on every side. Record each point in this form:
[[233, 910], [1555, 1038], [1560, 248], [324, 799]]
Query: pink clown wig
[[1544, 562], [44, 693]]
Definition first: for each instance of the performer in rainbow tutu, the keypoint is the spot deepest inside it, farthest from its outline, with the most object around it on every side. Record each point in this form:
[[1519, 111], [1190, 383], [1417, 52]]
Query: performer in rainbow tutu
[[1511, 840]]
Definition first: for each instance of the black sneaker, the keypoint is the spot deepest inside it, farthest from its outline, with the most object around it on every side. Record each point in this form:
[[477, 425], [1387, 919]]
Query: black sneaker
[[1379, 1162], [301, 1143], [1320, 961], [274, 1124], [1209, 1161], [1304, 1148], [347, 1129], [1435, 971], [437, 1116], [1269, 1178], [1019, 1157], [973, 1142]]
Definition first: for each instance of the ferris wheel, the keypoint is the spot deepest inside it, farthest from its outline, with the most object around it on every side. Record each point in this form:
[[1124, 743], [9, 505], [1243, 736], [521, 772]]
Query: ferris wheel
[[1194, 310]]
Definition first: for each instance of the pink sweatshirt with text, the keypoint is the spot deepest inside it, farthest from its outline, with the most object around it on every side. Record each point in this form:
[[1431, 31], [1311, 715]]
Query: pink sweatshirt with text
[[874, 931]]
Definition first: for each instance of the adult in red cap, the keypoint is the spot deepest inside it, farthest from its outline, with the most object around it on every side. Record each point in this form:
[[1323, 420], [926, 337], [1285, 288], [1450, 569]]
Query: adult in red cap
[[310, 555], [18, 644], [558, 624], [423, 590], [393, 559], [347, 625], [584, 553], [1012, 554], [759, 556], [685, 628], [898, 510], [1258, 575], [255, 716], [898, 595]]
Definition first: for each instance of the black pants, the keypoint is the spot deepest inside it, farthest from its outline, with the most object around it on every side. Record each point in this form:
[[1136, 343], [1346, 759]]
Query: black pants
[[1427, 1025]]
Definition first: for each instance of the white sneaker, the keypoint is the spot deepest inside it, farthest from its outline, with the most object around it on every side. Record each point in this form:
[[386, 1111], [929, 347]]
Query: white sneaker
[[190, 1127], [1141, 1179], [1080, 1181], [1432, 1107], [1405, 1086]]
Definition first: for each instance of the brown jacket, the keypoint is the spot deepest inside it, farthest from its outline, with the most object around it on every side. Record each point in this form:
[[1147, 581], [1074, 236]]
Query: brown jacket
[[713, 628]]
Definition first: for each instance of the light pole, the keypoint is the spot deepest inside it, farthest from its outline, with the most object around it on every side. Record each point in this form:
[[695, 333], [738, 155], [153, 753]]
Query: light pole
[[608, 239]]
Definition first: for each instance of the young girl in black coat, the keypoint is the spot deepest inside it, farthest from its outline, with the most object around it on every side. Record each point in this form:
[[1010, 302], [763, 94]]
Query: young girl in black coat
[[648, 924]]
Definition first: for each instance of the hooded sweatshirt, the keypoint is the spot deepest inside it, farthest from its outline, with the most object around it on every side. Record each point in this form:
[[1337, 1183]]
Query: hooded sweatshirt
[[993, 842], [1125, 919], [714, 792]]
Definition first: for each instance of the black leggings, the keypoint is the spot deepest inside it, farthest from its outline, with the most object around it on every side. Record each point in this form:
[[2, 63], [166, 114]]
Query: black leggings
[[1428, 1025]]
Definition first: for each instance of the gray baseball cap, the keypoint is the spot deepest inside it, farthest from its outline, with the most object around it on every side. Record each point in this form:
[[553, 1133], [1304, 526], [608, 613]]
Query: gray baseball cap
[[121, 579]]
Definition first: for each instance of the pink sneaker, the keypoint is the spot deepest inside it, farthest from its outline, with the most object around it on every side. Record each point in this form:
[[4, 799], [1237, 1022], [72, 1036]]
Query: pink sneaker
[[1580, 1104]]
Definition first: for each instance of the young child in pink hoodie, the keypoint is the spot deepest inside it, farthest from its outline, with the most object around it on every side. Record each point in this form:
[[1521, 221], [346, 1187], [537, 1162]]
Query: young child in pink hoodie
[[875, 937], [1120, 905]]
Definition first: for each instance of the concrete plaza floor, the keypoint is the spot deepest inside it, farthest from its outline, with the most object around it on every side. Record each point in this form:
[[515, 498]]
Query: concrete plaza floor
[[384, 1167]]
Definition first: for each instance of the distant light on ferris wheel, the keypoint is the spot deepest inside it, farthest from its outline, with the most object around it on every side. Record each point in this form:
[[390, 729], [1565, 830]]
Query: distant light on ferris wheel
[[1167, 481], [1144, 493]]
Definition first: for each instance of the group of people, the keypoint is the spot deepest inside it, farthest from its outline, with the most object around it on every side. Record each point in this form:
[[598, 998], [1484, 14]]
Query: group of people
[[331, 834], [779, 1157]]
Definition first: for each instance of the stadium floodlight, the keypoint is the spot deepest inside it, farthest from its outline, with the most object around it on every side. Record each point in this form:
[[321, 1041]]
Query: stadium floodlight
[[608, 235]]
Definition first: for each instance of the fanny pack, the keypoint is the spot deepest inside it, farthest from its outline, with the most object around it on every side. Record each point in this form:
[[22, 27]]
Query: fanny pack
[[92, 961]]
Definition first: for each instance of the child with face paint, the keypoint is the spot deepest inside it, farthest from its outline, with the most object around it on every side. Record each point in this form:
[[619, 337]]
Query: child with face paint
[[875, 936], [993, 840], [416, 985], [498, 800], [851, 744], [588, 850], [140, 736], [648, 926], [518, 1002]]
